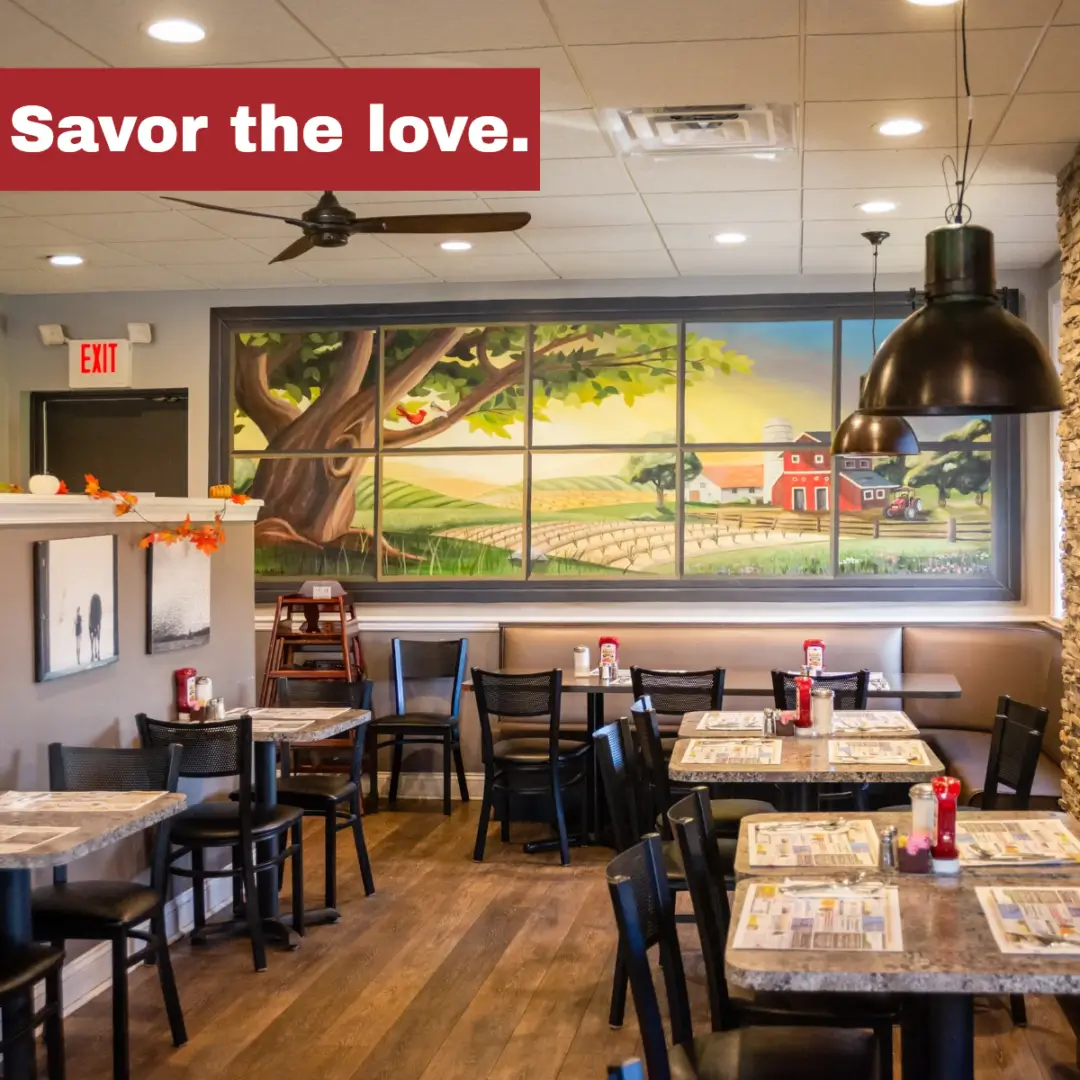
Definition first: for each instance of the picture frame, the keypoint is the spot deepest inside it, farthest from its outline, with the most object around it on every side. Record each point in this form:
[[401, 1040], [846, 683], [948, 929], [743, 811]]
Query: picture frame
[[76, 618], [177, 598]]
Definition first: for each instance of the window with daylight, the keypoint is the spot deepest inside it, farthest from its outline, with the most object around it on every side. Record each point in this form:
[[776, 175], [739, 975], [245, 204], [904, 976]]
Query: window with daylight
[[501, 457]]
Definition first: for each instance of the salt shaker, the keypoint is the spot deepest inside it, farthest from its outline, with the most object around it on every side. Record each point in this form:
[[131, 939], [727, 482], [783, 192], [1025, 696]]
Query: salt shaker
[[821, 710], [888, 848], [581, 661]]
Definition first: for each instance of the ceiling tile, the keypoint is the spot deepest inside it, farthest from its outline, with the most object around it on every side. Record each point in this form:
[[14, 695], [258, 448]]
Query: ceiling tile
[[703, 237], [852, 125], [1005, 200], [1039, 118], [167, 225], [713, 172], [190, 252], [1054, 69], [902, 258], [761, 260], [729, 208], [33, 256], [572, 135], [122, 279], [1041, 230], [862, 17], [574, 210], [559, 86], [418, 26], [233, 275], [603, 22], [587, 239], [241, 30], [270, 201], [24, 231], [1069, 13], [486, 267], [1020, 256], [578, 176], [368, 272], [360, 247], [925, 202], [415, 246], [361, 200], [693, 73], [243, 227], [626, 264], [14, 282], [45, 203], [311, 62], [1024, 164], [25, 42], [883, 169]]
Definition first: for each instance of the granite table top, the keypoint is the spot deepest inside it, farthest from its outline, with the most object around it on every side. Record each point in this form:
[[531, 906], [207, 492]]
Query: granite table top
[[803, 760], [948, 948], [902, 821], [689, 728], [316, 731], [92, 830]]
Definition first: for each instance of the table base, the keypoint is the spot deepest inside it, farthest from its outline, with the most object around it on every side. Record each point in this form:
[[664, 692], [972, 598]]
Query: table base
[[276, 929], [15, 929], [536, 847], [938, 1037]]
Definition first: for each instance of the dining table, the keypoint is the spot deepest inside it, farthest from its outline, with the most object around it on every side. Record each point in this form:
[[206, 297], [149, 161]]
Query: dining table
[[947, 948], [42, 830], [847, 723]]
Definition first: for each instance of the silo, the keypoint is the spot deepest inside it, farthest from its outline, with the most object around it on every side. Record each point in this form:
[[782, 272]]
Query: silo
[[775, 431]]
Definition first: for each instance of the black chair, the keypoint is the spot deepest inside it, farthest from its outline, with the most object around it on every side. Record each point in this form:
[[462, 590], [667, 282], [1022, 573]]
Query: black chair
[[674, 693], [113, 910], [704, 870], [645, 913], [21, 970], [217, 750], [851, 688], [1014, 755], [333, 797], [524, 765], [426, 660], [728, 813]]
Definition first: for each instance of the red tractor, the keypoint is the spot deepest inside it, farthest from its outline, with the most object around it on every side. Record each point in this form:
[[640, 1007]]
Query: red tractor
[[906, 504]]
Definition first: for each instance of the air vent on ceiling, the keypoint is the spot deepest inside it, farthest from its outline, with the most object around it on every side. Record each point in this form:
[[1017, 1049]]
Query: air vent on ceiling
[[700, 129]]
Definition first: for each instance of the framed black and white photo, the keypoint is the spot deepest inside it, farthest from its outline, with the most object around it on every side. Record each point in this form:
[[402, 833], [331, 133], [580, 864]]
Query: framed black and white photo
[[177, 597], [75, 605]]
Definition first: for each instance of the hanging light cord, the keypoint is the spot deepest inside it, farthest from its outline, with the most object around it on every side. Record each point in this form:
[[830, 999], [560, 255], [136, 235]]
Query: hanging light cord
[[873, 300], [955, 211]]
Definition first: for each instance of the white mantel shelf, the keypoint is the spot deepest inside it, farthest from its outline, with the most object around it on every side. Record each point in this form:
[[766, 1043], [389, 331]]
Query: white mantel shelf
[[82, 510]]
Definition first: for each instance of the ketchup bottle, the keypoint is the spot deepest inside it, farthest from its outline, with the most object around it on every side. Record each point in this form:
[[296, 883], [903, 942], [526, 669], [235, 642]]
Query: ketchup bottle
[[946, 791], [803, 685], [185, 689]]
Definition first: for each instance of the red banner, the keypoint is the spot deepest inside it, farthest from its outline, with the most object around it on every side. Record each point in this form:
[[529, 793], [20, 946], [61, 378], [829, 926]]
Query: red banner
[[270, 129]]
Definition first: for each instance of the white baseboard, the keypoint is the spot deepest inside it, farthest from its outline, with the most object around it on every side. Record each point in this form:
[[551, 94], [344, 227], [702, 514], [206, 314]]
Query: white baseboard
[[429, 785]]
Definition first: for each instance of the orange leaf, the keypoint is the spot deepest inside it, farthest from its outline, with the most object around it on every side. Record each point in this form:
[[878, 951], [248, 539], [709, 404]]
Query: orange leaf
[[92, 485], [240, 499], [62, 489], [121, 509], [148, 540], [130, 499]]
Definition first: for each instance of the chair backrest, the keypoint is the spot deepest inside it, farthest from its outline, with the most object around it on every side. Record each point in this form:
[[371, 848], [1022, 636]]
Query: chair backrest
[[629, 803], [645, 914], [352, 695], [521, 696], [696, 831], [92, 768], [646, 727], [676, 692], [1014, 751], [851, 688], [427, 660]]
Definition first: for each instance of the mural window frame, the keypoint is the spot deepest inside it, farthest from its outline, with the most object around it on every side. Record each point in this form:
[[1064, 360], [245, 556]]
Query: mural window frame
[[1001, 583]]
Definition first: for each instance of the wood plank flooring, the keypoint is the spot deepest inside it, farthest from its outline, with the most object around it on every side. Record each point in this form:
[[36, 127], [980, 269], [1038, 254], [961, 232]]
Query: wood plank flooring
[[453, 970]]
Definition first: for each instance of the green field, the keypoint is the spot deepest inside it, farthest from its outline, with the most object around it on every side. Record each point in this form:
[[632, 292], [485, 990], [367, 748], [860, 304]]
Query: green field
[[585, 483]]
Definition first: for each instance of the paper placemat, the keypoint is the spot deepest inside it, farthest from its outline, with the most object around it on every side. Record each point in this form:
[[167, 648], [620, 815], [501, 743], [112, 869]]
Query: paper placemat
[[76, 802], [733, 752], [835, 843], [731, 721], [1033, 921], [272, 727], [1026, 841], [877, 752], [830, 919], [288, 714], [884, 721], [15, 839]]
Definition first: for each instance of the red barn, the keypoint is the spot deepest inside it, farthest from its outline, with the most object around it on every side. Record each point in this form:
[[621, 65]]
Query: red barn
[[807, 479]]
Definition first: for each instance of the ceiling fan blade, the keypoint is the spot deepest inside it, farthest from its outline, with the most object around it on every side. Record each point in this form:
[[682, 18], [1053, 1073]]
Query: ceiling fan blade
[[297, 247], [235, 210], [442, 223]]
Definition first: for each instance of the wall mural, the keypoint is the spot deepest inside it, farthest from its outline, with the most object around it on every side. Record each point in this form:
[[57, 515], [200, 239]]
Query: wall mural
[[572, 450]]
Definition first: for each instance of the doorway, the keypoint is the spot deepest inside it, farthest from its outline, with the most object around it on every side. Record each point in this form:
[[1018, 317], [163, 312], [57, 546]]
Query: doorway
[[798, 498], [131, 440]]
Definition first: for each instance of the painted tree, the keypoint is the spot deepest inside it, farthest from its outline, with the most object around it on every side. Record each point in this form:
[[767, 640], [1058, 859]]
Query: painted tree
[[317, 392], [661, 471], [961, 468]]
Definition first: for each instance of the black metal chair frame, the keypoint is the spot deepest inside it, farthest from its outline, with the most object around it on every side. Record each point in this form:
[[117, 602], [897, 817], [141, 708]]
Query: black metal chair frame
[[504, 778], [705, 689], [1014, 752], [404, 655], [78, 768], [238, 762], [346, 812], [50, 1016], [840, 682]]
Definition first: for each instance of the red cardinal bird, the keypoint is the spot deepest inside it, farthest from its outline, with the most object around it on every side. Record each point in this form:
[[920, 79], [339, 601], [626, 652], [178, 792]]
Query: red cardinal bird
[[419, 416]]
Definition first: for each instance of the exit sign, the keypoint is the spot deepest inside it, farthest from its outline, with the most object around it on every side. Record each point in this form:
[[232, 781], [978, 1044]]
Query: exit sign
[[104, 362]]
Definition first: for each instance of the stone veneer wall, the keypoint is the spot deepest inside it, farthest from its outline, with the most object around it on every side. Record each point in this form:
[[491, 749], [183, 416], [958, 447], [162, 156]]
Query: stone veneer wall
[[1069, 430]]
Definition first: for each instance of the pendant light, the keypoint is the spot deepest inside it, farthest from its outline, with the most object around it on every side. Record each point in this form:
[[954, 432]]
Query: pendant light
[[874, 436], [961, 353]]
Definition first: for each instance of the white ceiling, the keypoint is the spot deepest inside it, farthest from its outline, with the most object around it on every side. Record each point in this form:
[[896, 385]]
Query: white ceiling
[[847, 64]]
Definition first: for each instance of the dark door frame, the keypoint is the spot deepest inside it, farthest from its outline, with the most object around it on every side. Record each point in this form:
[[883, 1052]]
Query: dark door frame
[[40, 398]]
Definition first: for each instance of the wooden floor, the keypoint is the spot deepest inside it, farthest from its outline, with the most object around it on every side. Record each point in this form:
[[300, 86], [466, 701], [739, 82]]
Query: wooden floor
[[453, 970]]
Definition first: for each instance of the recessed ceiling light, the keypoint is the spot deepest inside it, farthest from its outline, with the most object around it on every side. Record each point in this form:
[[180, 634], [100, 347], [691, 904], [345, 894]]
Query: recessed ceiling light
[[767, 156], [877, 206], [176, 31], [66, 260], [730, 238], [456, 245], [901, 126]]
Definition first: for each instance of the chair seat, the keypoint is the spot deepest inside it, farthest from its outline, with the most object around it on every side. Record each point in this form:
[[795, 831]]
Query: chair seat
[[535, 751], [22, 967], [315, 791], [414, 720], [219, 822], [777, 1053], [873, 1008], [118, 903]]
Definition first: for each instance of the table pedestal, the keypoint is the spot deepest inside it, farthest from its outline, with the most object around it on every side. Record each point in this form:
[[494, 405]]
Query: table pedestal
[[15, 930], [938, 1037]]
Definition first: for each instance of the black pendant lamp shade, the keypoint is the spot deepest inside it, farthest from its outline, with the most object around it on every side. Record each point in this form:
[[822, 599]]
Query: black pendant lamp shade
[[962, 353], [874, 436]]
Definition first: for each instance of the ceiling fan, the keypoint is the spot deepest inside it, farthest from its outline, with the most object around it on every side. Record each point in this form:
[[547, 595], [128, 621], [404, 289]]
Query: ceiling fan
[[328, 224]]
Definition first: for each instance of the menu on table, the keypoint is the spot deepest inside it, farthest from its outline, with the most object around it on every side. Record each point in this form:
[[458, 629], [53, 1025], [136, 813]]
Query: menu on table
[[877, 752], [733, 752], [1030, 841], [884, 721], [15, 839], [836, 843], [821, 917], [1033, 921], [81, 802], [878, 681], [288, 714], [731, 721]]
